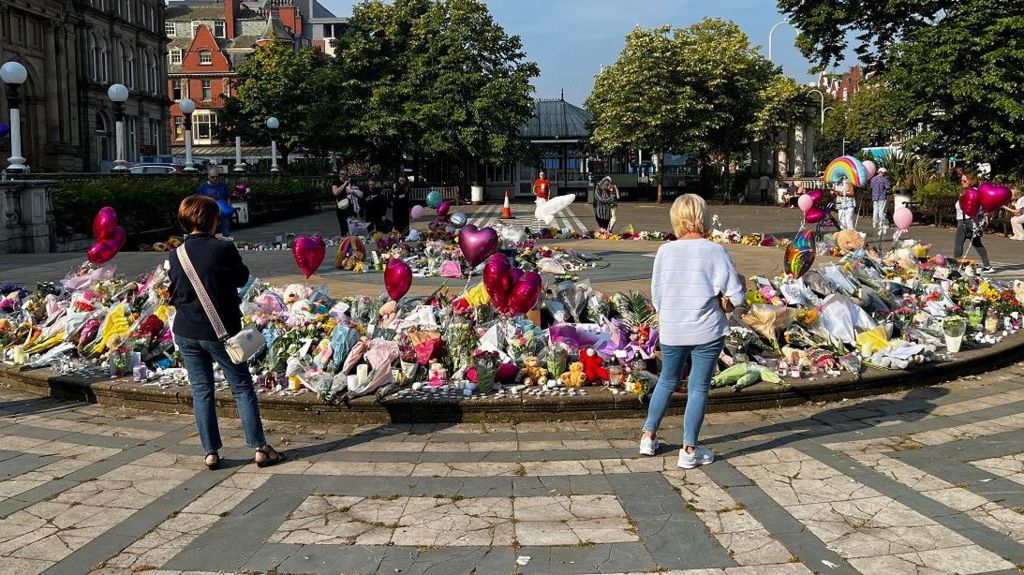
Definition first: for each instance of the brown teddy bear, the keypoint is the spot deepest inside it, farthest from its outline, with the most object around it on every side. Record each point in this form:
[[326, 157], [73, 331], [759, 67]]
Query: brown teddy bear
[[575, 376], [533, 373], [849, 240]]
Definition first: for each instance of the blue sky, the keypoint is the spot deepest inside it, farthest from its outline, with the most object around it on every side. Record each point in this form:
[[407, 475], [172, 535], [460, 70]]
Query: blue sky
[[571, 39]]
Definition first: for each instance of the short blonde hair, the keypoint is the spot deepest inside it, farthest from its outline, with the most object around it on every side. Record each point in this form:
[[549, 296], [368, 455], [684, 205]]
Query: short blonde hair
[[689, 215]]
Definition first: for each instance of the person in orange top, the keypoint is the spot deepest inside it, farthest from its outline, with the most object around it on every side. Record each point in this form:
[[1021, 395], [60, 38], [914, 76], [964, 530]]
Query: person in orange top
[[542, 187]]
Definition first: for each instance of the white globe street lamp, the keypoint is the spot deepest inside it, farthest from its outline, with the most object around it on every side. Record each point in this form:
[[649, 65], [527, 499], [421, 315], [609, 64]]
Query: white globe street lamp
[[14, 75], [118, 94], [273, 124], [187, 106]]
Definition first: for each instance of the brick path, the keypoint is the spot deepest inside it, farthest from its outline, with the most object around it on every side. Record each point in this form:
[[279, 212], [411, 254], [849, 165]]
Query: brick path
[[923, 482]]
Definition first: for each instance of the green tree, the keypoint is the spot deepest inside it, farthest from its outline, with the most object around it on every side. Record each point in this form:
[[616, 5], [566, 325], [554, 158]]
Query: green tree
[[436, 78], [295, 86], [697, 90], [873, 116]]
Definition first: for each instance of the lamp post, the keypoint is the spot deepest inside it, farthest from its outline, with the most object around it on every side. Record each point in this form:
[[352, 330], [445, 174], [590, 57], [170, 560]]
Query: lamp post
[[14, 75], [845, 141], [770, 32], [187, 106], [822, 96], [273, 124], [118, 94], [239, 165]]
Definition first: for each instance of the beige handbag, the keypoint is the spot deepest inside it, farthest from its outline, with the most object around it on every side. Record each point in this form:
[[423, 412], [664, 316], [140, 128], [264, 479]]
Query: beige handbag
[[242, 346]]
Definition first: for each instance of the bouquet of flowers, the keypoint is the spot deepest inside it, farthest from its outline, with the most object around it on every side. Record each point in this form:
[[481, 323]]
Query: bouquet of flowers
[[486, 364]]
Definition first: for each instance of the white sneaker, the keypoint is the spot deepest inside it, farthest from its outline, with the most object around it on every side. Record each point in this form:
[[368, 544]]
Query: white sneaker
[[649, 446], [700, 456]]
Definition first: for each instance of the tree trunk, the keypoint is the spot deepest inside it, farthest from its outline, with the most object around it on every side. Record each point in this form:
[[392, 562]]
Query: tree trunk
[[726, 181]]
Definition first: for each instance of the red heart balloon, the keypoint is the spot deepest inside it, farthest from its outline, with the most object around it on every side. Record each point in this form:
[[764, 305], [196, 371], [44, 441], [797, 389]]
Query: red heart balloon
[[104, 223], [993, 197], [498, 280], [477, 244], [443, 208], [814, 215], [969, 202], [816, 196], [117, 237], [309, 254], [397, 278], [524, 293], [102, 251]]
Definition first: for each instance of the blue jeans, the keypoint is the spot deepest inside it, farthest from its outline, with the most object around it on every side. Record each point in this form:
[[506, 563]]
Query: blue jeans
[[703, 359], [224, 228], [199, 356]]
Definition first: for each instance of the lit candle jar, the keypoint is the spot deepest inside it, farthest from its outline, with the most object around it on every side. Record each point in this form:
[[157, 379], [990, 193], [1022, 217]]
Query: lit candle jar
[[362, 373]]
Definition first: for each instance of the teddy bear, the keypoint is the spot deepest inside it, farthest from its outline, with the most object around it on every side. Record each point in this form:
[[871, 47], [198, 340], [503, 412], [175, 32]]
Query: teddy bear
[[849, 240], [533, 373], [592, 366], [575, 376]]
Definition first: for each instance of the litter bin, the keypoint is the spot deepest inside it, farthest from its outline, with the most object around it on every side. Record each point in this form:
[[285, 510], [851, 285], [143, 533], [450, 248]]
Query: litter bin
[[476, 195], [900, 200]]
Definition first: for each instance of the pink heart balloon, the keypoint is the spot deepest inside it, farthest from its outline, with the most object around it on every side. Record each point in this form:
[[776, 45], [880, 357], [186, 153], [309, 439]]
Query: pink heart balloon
[[814, 215], [969, 202], [309, 254], [477, 244], [102, 251], [443, 208], [815, 196], [524, 293], [993, 197], [104, 223], [498, 280], [397, 278], [117, 237]]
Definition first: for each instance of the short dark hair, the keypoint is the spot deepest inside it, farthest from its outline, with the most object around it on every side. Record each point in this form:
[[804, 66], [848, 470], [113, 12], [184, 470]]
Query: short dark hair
[[198, 213]]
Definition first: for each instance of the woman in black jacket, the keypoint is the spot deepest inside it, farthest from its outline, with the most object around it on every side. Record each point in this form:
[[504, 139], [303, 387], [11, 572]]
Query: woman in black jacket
[[219, 268]]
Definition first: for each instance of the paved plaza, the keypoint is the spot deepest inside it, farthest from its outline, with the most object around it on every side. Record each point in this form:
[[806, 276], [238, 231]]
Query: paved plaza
[[923, 482]]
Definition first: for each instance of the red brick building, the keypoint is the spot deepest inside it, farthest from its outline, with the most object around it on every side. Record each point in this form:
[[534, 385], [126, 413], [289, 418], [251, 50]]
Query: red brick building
[[842, 87], [209, 39]]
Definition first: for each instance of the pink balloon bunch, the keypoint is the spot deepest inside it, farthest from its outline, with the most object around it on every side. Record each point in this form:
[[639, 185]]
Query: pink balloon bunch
[[808, 204], [109, 236], [992, 197], [397, 278], [309, 254], [512, 291], [969, 202]]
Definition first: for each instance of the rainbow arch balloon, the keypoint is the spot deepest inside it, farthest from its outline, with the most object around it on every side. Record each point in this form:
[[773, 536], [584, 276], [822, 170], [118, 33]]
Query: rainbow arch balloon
[[848, 166]]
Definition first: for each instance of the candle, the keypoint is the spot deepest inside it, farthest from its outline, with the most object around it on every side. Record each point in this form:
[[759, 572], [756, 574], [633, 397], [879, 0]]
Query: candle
[[362, 373], [353, 381]]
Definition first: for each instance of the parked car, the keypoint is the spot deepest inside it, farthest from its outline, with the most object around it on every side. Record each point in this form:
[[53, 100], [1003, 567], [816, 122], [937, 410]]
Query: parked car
[[155, 169]]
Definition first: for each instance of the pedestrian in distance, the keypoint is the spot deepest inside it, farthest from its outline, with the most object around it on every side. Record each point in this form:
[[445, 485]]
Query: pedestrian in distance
[[1017, 217], [880, 188], [846, 202], [970, 229], [346, 198], [218, 268], [376, 205], [694, 285], [762, 185], [606, 197], [217, 190], [400, 205]]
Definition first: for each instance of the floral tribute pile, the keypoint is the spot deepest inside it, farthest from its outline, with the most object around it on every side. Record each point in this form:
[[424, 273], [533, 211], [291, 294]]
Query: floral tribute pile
[[865, 311]]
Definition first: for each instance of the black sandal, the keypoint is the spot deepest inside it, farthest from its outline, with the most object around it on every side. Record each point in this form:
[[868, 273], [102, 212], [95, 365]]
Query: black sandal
[[216, 462], [267, 461]]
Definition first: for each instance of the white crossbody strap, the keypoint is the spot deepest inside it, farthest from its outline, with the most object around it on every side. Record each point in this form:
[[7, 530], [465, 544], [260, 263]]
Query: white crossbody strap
[[204, 298]]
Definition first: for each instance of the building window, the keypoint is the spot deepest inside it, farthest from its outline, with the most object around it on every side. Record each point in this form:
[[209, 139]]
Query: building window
[[154, 135], [128, 4], [500, 174], [175, 56], [102, 139], [195, 24], [220, 28], [179, 127], [153, 76], [207, 91], [178, 89], [104, 61], [94, 57], [130, 127], [205, 57], [203, 124], [127, 67], [169, 29]]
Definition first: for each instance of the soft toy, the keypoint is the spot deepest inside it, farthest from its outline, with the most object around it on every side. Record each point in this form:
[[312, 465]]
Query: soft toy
[[575, 376], [351, 251], [592, 366], [849, 240], [533, 373], [388, 312]]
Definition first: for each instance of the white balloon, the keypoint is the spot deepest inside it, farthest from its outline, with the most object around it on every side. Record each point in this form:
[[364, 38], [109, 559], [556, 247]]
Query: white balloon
[[547, 210]]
